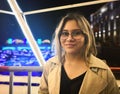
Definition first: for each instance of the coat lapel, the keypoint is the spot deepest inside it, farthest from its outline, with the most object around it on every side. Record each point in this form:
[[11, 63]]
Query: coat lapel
[[54, 80], [92, 83]]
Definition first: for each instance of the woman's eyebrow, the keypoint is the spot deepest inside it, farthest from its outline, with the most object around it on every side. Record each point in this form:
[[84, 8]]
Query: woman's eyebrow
[[70, 30]]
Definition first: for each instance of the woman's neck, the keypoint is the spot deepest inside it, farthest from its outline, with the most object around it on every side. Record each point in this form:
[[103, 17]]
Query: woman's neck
[[71, 58], [74, 65]]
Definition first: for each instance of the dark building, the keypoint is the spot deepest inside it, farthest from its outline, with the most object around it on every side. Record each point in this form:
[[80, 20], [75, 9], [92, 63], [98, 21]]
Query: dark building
[[106, 25]]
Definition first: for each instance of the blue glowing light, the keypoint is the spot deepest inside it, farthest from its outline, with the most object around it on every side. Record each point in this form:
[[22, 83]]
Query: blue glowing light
[[9, 41]]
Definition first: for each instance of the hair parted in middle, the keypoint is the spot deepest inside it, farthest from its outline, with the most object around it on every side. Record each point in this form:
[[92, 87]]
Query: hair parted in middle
[[89, 45]]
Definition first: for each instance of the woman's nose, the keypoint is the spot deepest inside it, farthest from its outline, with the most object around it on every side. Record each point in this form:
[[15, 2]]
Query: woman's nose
[[70, 37]]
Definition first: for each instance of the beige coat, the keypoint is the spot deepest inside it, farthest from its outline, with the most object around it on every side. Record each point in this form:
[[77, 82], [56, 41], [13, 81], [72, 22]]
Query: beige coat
[[98, 79]]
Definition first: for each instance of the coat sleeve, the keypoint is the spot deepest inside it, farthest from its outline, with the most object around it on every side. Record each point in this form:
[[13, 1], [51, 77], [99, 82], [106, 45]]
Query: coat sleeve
[[43, 88], [112, 87], [44, 85], [112, 84]]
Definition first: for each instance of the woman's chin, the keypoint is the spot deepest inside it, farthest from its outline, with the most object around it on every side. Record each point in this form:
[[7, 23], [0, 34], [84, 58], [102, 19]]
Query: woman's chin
[[71, 52]]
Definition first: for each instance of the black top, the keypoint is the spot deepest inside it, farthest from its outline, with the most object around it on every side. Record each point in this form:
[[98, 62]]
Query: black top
[[70, 86]]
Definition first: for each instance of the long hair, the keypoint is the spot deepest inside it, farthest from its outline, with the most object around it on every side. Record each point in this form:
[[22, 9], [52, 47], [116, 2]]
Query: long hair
[[89, 45]]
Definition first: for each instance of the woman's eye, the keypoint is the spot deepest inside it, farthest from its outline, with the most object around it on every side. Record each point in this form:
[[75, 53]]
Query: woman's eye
[[65, 33], [77, 33]]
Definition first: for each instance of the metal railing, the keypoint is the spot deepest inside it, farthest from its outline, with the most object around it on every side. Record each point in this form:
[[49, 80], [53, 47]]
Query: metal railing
[[13, 69], [29, 69]]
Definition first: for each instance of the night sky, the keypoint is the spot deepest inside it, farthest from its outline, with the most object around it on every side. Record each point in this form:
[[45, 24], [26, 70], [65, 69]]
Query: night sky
[[42, 25]]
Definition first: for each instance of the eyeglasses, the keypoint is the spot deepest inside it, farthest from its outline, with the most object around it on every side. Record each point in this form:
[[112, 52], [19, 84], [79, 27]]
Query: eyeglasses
[[75, 34]]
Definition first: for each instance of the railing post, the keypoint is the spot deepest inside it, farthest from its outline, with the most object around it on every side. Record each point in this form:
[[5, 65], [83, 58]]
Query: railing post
[[13, 69], [11, 83], [29, 82]]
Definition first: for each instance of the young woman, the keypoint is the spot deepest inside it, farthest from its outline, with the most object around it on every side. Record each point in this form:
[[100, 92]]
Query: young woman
[[75, 69]]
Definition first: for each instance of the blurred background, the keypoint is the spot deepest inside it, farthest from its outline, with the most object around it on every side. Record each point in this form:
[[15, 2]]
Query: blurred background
[[16, 51]]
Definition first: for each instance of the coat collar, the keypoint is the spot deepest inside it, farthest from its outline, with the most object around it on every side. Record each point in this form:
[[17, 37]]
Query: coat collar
[[54, 80], [97, 63], [93, 62], [91, 83]]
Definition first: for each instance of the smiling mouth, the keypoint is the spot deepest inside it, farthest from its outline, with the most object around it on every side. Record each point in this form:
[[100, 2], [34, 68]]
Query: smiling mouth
[[69, 45]]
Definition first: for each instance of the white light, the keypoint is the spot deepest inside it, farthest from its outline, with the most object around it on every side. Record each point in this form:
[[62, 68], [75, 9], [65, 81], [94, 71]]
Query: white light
[[99, 33], [6, 12], [114, 25], [112, 17], [115, 33], [95, 34], [68, 6], [117, 16], [104, 31], [109, 33], [103, 9], [26, 31]]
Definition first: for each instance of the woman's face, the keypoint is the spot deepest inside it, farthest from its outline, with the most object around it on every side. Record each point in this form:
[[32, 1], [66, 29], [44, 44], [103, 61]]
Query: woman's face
[[72, 38]]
